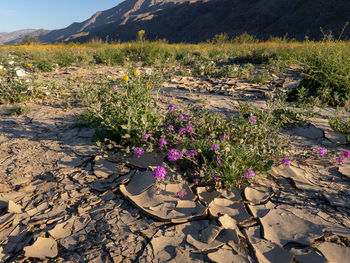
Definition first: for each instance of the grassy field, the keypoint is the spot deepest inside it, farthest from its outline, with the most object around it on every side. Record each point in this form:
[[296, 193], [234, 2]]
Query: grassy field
[[199, 142]]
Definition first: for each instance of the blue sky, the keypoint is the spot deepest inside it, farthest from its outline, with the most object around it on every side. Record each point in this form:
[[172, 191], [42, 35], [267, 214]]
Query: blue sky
[[48, 14]]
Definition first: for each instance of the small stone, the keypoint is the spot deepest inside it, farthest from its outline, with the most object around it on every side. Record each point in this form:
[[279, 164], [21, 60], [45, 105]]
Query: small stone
[[42, 248], [13, 207]]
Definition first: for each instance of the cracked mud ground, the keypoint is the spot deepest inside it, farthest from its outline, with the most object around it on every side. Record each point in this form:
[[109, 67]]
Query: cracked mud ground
[[63, 200]]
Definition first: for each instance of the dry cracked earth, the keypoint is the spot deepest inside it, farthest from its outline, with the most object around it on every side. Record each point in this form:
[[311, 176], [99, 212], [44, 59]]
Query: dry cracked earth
[[62, 199]]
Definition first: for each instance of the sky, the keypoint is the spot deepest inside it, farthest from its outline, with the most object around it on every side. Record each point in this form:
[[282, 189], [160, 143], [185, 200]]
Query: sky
[[48, 14]]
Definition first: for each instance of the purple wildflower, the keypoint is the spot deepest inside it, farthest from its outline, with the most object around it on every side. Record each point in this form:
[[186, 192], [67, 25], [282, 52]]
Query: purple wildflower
[[170, 128], [172, 108], [189, 127], [192, 153], [223, 115], [114, 87], [225, 137], [182, 131], [321, 151], [346, 153], [184, 115], [174, 155], [249, 174], [138, 152], [146, 136], [215, 177], [162, 142], [159, 173], [218, 160], [214, 147], [181, 194], [253, 119], [341, 159], [286, 161]]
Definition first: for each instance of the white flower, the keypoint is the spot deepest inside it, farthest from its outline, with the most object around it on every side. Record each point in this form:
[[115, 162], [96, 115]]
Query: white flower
[[11, 62], [148, 71], [27, 80], [20, 72], [1, 67], [30, 88], [47, 93]]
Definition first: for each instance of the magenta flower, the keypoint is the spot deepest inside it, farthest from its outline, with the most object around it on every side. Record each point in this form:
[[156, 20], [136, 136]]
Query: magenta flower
[[253, 119], [189, 127], [192, 153], [215, 177], [146, 136], [223, 115], [162, 142], [170, 128], [181, 194], [214, 147], [341, 159], [138, 152], [218, 160], [172, 108], [184, 115], [249, 174], [321, 151], [286, 161], [159, 173], [225, 137], [174, 155], [114, 87], [346, 153], [182, 131]]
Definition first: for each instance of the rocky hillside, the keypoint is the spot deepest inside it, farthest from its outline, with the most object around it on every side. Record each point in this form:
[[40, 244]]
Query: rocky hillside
[[199, 20], [7, 37]]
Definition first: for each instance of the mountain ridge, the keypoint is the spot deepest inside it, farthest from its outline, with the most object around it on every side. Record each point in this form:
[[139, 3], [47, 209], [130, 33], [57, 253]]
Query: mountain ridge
[[200, 20]]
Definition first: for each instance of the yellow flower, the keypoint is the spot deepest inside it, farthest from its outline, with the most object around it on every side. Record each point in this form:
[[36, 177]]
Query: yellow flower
[[126, 78], [136, 73], [1, 69], [148, 86], [30, 65], [127, 58]]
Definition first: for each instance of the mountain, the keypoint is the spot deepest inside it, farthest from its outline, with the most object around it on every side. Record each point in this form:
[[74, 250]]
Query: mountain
[[199, 20], [7, 37]]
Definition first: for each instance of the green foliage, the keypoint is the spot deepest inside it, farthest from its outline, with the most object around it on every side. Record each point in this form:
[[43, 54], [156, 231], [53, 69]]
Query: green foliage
[[125, 108], [340, 124], [19, 110], [326, 75]]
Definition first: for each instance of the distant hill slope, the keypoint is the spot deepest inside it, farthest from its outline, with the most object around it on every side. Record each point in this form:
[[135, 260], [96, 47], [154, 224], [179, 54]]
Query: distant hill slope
[[199, 20], [7, 37]]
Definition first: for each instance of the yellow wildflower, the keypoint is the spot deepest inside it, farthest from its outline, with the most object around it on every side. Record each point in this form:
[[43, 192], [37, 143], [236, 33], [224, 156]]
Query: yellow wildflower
[[127, 58], [148, 86], [136, 73], [126, 78], [30, 65]]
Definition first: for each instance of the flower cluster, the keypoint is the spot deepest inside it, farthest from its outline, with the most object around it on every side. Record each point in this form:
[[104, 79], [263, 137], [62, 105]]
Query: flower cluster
[[138, 152], [162, 142], [159, 173], [191, 153], [286, 161], [214, 147], [174, 155], [253, 119], [249, 174]]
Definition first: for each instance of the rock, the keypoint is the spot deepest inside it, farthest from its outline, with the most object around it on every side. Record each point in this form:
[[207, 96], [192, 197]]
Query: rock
[[257, 194], [103, 168], [206, 196], [42, 248], [62, 230], [209, 234], [261, 210], [345, 170], [14, 208], [226, 255], [267, 252], [165, 205], [222, 206], [282, 227], [152, 159], [334, 253]]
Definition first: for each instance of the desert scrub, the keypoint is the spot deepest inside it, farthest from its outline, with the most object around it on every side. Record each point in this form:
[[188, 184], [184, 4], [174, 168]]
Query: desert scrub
[[124, 108], [327, 73], [17, 85], [340, 124], [215, 149]]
